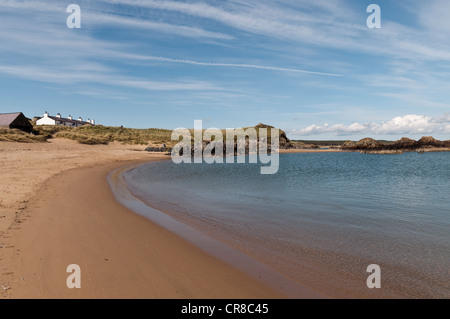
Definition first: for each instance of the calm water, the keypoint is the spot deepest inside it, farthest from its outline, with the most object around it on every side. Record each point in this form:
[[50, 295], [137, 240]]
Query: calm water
[[323, 218]]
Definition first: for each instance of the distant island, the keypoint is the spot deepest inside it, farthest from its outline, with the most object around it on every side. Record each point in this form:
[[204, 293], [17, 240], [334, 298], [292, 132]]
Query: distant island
[[425, 144]]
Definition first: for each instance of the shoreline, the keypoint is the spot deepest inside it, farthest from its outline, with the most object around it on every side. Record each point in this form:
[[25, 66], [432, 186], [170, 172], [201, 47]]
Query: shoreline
[[121, 254], [45, 185], [61, 211], [399, 151], [214, 247], [312, 150], [333, 249]]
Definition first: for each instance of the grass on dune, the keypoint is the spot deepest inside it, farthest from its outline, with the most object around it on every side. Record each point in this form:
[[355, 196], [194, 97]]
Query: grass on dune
[[99, 134], [15, 135], [104, 134]]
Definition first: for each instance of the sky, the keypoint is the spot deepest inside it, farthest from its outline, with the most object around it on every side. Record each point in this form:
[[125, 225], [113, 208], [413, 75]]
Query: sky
[[311, 68]]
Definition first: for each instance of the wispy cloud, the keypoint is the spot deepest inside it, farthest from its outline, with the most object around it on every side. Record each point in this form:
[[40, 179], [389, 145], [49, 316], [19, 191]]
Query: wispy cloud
[[51, 53], [140, 24], [32, 5], [64, 57], [233, 65], [324, 24], [241, 55], [72, 76], [258, 18], [434, 17]]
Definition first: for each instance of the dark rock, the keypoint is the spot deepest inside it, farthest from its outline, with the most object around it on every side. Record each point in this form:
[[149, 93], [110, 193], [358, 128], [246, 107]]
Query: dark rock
[[349, 145], [429, 142], [404, 141], [368, 145], [364, 144], [158, 149], [403, 144], [285, 142]]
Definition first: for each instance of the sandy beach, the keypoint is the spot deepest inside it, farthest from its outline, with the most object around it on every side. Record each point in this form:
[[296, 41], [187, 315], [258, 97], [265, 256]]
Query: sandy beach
[[57, 209]]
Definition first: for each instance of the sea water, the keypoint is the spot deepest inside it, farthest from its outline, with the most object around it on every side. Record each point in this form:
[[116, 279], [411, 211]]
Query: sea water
[[323, 218]]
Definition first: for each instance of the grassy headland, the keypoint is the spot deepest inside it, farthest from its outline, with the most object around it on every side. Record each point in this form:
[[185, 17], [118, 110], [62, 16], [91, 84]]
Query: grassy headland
[[100, 134], [155, 137]]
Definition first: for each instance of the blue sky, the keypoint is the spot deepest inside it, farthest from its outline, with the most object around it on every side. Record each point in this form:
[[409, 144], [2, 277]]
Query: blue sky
[[312, 68]]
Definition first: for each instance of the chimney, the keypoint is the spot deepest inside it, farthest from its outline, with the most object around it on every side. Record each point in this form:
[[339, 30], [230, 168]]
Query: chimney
[[58, 115], [93, 122], [80, 119], [70, 117]]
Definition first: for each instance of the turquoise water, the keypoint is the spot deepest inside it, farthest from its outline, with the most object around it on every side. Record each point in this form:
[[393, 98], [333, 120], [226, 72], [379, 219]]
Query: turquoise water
[[323, 218]]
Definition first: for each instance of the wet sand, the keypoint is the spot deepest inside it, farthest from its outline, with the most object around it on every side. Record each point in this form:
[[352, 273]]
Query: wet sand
[[61, 211]]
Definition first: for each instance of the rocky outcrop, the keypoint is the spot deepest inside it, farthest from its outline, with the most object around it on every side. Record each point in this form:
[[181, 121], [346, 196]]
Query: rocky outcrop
[[348, 145], [369, 145], [429, 141], [426, 142], [364, 144], [158, 149], [284, 142], [405, 142], [248, 149]]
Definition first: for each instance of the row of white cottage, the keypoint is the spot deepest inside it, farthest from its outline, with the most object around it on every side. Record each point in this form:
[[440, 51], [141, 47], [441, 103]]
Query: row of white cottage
[[58, 120]]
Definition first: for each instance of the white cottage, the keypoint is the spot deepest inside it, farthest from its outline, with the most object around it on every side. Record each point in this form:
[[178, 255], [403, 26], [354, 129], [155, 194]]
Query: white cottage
[[58, 120]]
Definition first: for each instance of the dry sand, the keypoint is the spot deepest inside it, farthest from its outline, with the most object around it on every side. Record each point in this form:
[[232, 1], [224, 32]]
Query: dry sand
[[25, 166], [57, 209]]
